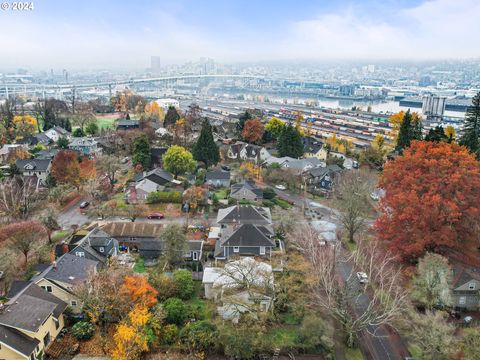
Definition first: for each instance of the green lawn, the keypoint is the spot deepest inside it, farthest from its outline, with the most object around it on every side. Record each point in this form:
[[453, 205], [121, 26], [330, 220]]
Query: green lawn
[[353, 354], [283, 337], [60, 235], [106, 122], [221, 194], [139, 266]]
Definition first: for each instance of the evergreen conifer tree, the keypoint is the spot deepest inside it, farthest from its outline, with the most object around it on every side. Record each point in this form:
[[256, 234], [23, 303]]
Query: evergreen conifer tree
[[290, 143], [205, 149], [471, 127], [405, 133], [171, 116]]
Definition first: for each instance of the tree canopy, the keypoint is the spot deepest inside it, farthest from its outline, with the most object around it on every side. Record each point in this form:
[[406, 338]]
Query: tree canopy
[[471, 127], [171, 117], [431, 202], [141, 151], [275, 126], [205, 149], [252, 131], [178, 160], [290, 143]]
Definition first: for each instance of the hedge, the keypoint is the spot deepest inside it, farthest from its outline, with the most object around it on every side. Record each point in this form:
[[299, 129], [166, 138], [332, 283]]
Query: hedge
[[164, 197]]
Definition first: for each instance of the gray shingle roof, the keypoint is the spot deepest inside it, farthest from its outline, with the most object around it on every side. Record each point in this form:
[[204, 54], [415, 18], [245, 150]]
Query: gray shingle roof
[[235, 188], [18, 341], [71, 269], [244, 214], [218, 175], [247, 235], [29, 309], [38, 164]]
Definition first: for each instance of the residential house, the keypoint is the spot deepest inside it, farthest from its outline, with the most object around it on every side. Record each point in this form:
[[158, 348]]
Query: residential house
[[85, 146], [246, 190], [148, 182], [39, 168], [156, 155], [245, 240], [43, 139], [47, 154], [247, 152], [7, 150], [301, 165], [132, 234], [218, 178], [96, 245], [126, 124], [321, 178], [56, 133], [29, 321], [195, 250], [242, 286], [244, 214], [64, 275], [313, 148], [466, 288]]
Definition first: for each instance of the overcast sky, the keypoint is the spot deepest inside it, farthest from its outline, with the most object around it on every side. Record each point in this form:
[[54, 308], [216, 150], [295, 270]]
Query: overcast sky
[[124, 34]]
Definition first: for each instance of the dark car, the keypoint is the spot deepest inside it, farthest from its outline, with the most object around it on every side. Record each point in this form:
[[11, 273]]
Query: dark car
[[155, 216], [225, 167], [84, 204]]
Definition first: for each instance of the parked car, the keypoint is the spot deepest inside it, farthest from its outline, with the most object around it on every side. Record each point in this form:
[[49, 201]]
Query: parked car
[[84, 204], [157, 216], [125, 160], [280, 187], [362, 277], [225, 167]]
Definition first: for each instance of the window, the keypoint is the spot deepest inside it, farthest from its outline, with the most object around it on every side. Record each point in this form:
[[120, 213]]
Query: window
[[47, 288], [471, 286], [195, 255], [236, 249], [262, 250], [102, 249], [57, 323], [46, 339], [73, 302], [79, 253], [462, 300]]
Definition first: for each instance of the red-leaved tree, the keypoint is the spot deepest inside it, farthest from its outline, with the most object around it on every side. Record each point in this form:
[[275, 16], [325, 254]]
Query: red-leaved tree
[[432, 201], [252, 131], [66, 168]]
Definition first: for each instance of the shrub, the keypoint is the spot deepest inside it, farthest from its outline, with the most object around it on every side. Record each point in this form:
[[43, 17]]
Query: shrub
[[269, 193], [184, 282], [165, 285], [164, 197], [83, 330], [176, 311], [282, 203], [268, 203], [200, 335], [170, 334]]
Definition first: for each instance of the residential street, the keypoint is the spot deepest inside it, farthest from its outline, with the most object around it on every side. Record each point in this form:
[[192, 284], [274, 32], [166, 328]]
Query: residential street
[[72, 215]]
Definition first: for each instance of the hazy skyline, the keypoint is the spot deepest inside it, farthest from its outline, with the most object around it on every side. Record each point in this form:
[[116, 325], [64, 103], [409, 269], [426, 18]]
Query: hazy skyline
[[121, 34]]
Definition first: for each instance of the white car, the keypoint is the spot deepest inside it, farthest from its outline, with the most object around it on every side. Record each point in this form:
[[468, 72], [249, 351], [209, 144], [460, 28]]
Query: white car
[[362, 277], [280, 187]]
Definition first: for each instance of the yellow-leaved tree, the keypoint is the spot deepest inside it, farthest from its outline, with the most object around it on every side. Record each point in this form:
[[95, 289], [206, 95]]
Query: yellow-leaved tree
[[132, 335], [25, 124]]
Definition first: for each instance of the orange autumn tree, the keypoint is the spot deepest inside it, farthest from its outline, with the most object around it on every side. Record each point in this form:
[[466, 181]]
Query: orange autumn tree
[[133, 334], [431, 202], [252, 131], [66, 168], [139, 290], [88, 169]]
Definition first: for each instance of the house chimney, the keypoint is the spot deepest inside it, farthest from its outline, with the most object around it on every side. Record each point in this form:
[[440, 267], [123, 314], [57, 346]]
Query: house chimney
[[64, 247]]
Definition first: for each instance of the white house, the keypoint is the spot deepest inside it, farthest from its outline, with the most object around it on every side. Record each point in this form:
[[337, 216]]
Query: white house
[[166, 103], [244, 285], [56, 133]]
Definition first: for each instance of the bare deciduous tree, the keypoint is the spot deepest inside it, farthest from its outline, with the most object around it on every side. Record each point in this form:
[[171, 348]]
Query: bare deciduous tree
[[109, 165], [18, 197], [352, 196], [335, 288]]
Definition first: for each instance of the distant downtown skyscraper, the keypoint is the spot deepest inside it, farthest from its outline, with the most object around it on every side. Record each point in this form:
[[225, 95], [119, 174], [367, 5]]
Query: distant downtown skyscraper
[[155, 64]]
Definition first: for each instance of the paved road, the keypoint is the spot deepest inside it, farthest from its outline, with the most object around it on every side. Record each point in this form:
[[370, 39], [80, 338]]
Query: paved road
[[72, 216], [386, 345]]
